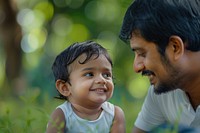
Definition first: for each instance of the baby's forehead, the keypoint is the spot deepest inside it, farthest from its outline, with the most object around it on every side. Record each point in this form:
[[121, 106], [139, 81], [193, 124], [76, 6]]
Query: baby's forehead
[[81, 60]]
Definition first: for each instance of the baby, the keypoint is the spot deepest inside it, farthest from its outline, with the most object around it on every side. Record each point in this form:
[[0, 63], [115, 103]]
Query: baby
[[83, 78]]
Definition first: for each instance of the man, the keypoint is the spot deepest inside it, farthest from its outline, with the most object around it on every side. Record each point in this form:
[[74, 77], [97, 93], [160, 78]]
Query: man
[[165, 37]]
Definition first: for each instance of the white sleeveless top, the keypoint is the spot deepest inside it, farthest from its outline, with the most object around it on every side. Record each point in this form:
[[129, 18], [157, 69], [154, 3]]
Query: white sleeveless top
[[75, 124]]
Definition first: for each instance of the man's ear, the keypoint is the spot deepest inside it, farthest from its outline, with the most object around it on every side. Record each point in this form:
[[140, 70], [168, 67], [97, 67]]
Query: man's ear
[[63, 87], [176, 47]]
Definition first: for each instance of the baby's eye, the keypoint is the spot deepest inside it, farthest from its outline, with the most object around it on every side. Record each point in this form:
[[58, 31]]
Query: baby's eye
[[107, 75], [89, 74]]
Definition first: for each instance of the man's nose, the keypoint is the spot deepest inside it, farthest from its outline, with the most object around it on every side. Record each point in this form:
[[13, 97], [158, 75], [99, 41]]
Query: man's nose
[[138, 65]]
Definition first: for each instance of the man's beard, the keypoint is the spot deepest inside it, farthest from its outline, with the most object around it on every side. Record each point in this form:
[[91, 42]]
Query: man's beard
[[172, 82], [165, 87]]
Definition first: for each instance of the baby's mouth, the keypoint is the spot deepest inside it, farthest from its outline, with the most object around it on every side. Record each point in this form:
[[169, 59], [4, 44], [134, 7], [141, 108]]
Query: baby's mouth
[[99, 90]]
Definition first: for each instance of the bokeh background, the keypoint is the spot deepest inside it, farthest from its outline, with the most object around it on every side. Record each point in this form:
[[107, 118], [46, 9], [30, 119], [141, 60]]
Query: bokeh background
[[33, 32]]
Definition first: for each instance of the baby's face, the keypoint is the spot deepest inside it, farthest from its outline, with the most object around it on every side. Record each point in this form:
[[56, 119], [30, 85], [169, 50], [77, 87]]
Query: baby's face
[[91, 83]]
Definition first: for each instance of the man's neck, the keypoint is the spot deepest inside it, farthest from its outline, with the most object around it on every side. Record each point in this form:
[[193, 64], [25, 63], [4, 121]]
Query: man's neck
[[194, 99]]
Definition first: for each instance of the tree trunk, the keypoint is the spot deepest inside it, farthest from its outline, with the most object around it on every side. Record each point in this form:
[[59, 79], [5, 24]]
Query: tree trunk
[[11, 37]]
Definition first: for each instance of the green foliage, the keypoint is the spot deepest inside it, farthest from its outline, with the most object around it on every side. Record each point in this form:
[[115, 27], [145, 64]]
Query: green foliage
[[28, 114], [23, 115]]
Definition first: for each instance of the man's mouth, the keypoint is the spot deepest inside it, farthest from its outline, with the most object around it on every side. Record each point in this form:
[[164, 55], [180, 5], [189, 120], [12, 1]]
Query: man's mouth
[[150, 75], [147, 73], [151, 79]]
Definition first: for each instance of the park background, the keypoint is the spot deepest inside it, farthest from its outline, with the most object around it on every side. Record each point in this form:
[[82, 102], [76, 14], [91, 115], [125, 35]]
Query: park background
[[33, 32]]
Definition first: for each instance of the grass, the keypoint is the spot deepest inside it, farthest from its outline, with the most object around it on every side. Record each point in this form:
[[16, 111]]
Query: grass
[[28, 114]]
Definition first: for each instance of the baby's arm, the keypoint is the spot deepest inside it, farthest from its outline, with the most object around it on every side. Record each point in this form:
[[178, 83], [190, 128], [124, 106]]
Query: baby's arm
[[56, 123], [119, 121]]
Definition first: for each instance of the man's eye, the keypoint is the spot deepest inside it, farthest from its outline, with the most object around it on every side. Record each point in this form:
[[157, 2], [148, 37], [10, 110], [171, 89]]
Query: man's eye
[[142, 54]]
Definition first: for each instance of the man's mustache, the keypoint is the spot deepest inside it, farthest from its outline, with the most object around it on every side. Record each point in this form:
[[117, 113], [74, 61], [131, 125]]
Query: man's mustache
[[147, 73]]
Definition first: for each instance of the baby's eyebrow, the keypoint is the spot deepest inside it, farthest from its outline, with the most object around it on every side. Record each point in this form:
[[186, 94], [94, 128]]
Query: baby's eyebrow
[[87, 69], [92, 68]]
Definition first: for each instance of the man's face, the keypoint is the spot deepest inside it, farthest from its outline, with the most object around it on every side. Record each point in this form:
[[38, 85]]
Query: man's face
[[149, 62]]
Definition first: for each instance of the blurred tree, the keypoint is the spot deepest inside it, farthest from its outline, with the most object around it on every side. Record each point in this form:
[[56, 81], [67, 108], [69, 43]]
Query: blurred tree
[[40, 29], [11, 35]]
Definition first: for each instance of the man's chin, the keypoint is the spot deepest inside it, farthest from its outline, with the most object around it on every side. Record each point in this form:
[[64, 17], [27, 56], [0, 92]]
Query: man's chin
[[156, 90], [160, 89]]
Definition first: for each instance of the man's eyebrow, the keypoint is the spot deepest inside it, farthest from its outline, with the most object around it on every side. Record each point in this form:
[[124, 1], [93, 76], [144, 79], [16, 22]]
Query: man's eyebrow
[[136, 49], [133, 49]]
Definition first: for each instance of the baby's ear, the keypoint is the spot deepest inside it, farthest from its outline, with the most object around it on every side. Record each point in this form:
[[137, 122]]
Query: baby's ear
[[62, 87]]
